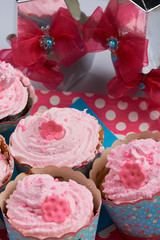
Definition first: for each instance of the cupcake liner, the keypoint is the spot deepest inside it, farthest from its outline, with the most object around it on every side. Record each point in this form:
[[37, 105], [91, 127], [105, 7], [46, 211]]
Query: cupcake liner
[[139, 220], [4, 148], [63, 173], [6, 128], [85, 168]]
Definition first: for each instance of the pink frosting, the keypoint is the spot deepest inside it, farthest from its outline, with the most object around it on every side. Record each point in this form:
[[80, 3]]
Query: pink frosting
[[77, 143], [26, 206], [6, 75], [134, 171], [41, 8], [14, 90]]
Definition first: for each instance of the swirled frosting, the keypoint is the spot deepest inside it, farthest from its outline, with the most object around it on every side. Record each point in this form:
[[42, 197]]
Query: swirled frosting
[[59, 136], [39, 194], [6, 75], [40, 8], [14, 87], [134, 171]]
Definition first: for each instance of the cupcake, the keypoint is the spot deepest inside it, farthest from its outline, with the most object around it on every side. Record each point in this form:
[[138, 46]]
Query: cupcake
[[16, 97], [51, 203], [128, 176], [59, 137], [6, 164]]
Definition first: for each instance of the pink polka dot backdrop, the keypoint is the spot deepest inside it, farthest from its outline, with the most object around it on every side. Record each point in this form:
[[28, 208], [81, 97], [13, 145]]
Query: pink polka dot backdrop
[[121, 116]]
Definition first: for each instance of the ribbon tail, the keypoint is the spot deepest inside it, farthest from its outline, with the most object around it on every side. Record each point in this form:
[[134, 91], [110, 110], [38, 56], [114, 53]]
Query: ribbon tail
[[116, 88], [7, 56], [44, 71], [49, 74], [68, 51], [130, 54], [26, 51], [153, 96]]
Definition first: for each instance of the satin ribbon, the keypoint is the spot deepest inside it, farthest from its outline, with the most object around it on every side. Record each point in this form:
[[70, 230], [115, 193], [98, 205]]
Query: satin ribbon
[[44, 71], [64, 31], [131, 50], [118, 87]]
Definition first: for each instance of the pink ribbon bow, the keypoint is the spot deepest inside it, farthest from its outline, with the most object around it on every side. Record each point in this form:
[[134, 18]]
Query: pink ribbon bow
[[44, 71], [149, 83], [103, 31], [63, 37]]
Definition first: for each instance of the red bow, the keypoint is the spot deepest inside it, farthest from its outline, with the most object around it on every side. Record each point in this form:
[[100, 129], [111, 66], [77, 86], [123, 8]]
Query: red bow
[[149, 83], [102, 31], [63, 36], [44, 71]]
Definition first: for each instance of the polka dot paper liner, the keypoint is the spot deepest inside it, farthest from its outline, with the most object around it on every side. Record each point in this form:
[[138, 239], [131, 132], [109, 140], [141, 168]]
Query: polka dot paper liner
[[121, 116]]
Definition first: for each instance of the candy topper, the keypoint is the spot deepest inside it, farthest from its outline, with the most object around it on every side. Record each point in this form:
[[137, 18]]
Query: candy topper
[[132, 176]]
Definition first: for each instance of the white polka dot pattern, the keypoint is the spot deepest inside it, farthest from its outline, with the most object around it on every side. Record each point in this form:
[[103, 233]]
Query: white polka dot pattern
[[54, 100], [110, 115], [67, 93], [133, 116], [75, 99], [121, 126], [122, 105], [42, 108], [143, 105], [143, 127], [154, 115], [44, 91], [121, 116], [99, 103]]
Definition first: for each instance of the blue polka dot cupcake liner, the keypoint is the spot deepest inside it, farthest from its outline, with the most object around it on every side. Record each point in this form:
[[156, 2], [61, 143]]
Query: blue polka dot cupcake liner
[[87, 232], [138, 220]]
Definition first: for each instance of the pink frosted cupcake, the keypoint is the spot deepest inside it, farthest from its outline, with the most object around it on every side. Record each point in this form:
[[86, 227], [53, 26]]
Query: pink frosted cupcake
[[52, 203], [16, 96], [128, 176], [58, 136], [6, 164]]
